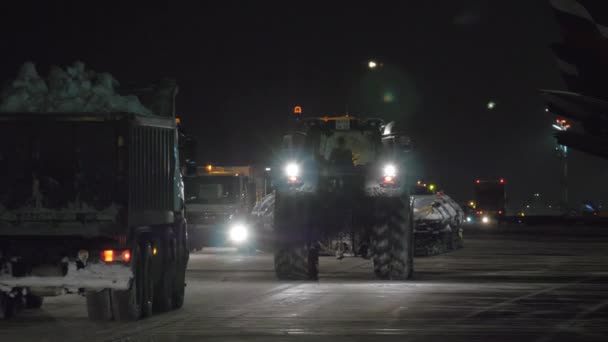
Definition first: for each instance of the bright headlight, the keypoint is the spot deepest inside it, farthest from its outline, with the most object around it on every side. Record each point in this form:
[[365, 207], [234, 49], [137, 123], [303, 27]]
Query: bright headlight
[[292, 170], [238, 233], [485, 219], [390, 170]]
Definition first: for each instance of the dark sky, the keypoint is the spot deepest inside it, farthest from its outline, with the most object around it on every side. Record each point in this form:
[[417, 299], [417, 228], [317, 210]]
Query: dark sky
[[241, 66]]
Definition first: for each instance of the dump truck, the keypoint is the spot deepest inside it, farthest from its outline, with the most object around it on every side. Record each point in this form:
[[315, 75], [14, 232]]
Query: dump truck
[[342, 175], [91, 203]]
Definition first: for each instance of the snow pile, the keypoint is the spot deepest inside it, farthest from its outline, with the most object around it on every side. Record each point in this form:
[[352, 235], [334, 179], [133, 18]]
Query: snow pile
[[72, 90]]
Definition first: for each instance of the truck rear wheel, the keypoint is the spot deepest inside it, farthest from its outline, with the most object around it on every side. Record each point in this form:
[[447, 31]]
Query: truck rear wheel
[[136, 302], [8, 306], [179, 287], [99, 305], [392, 239], [297, 263], [33, 302], [163, 296]]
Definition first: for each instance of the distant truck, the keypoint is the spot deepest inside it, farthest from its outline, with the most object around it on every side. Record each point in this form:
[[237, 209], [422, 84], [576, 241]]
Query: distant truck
[[219, 200], [491, 200], [92, 203]]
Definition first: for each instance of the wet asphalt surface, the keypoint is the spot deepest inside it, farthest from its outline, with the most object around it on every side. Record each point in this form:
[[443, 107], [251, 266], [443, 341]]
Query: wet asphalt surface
[[508, 284]]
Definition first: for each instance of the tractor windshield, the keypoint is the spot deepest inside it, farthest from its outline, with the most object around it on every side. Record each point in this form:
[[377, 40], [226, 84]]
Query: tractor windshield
[[361, 144]]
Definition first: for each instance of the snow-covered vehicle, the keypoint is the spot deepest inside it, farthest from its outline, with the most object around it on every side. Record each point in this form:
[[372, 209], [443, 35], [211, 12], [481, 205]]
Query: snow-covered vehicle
[[342, 175], [437, 224], [91, 196]]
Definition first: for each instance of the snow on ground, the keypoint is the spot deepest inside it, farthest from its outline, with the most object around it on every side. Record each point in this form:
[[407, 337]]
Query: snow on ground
[[72, 90]]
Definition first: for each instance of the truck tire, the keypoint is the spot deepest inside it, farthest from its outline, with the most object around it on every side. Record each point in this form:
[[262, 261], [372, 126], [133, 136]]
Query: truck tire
[[179, 287], [163, 295], [33, 302], [434, 244], [99, 305], [297, 263], [8, 306], [392, 239], [136, 302]]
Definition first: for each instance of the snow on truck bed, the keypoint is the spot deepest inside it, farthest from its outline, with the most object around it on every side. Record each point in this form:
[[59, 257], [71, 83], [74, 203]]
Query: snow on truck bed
[[72, 90]]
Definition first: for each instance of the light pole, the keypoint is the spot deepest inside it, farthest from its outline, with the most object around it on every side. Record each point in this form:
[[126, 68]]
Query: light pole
[[562, 153]]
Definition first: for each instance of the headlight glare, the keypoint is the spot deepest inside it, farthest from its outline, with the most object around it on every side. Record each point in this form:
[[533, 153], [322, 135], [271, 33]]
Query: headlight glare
[[238, 233], [292, 170], [390, 170]]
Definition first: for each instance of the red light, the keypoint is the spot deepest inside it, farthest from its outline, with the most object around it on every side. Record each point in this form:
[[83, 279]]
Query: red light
[[126, 256], [478, 181], [502, 181], [292, 179], [500, 212], [108, 255], [389, 179]]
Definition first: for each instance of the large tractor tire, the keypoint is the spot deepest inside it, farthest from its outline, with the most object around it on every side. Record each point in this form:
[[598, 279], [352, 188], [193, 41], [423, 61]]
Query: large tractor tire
[[297, 263], [392, 239], [296, 253]]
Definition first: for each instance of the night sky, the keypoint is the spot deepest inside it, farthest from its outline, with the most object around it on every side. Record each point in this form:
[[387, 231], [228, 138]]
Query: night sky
[[242, 66]]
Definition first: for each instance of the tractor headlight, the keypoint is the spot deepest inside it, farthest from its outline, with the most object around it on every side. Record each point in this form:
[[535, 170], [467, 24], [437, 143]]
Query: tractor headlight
[[238, 233], [389, 173], [292, 171], [389, 170]]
